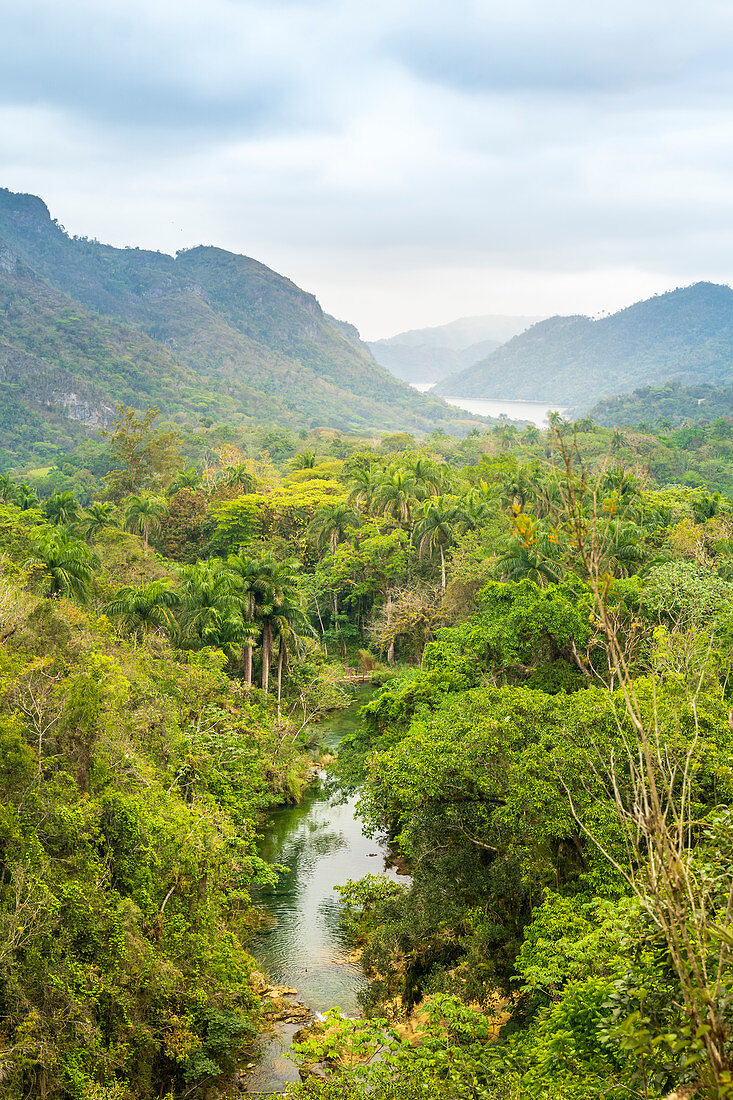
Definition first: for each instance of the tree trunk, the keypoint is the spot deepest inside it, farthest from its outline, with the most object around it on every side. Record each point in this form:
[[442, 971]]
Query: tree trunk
[[442, 564], [266, 656], [323, 629], [342, 641], [390, 649], [280, 662], [248, 665]]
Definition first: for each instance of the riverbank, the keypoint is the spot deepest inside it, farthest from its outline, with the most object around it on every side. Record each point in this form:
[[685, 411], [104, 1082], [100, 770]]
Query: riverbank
[[322, 843]]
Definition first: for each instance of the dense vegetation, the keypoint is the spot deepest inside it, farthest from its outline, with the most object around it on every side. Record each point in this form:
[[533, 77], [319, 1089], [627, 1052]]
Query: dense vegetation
[[684, 335], [205, 334], [557, 773], [671, 405], [551, 616]]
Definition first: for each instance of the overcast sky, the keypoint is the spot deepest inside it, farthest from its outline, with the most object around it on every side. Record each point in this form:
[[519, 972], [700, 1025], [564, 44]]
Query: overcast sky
[[409, 161]]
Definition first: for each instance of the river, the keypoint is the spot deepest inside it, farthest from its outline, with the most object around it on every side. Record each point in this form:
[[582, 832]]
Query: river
[[322, 843], [536, 412]]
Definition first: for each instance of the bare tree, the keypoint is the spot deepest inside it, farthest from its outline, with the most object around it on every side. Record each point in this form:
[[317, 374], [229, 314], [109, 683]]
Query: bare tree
[[682, 878]]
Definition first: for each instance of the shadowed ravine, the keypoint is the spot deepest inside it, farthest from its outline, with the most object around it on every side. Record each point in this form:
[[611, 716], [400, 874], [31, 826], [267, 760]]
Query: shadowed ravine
[[323, 845]]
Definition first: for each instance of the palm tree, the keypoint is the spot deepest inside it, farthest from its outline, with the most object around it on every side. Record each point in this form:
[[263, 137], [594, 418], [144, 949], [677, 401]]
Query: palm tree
[[396, 496], [436, 528], [364, 488], [188, 478], [62, 509], [288, 620], [555, 421], [516, 488], [7, 489], [268, 591], [99, 516], [531, 558], [25, 497], [618, 440], [304, 461], [210, 605], [506, 432], [331, 523], [249, 635], [251, 592], [429, 476], [626, 547], [478, 506], [65, 565], [704, 506], [277, 596], [145, 608], [242, 476], [143, 515]]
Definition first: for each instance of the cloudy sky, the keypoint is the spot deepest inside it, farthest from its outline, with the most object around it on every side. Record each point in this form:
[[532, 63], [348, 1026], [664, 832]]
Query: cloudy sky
[[409, 161]]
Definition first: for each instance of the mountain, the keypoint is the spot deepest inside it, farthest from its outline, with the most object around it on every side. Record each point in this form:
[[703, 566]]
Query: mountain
[[672, 404], [429, 354], [464, 332], [686, 334], [423, 363], [205, 333]]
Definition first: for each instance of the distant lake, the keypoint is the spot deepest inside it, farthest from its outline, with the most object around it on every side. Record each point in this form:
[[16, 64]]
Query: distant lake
[[534, 411]]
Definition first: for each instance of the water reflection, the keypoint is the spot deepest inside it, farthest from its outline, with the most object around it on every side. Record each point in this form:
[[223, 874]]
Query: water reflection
[[322, 843]]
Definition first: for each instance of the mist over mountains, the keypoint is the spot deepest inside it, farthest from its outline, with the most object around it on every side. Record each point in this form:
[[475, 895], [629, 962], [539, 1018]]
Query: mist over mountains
[[684, 335], [430, 354], [206, 333]]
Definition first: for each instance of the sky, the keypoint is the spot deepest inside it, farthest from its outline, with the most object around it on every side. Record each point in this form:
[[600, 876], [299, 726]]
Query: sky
[[408, 161]]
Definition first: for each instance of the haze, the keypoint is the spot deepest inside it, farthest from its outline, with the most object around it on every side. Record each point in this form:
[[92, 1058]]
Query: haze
[[409, 162]]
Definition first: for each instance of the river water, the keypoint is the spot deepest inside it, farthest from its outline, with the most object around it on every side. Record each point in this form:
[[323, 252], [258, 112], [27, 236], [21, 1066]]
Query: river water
[[536, 412], [322, 843]]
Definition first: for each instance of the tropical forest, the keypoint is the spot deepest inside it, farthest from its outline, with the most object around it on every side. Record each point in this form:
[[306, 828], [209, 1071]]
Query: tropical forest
[[506, 657]]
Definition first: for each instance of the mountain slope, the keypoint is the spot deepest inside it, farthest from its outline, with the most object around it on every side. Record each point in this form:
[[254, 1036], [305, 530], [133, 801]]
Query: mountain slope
[[672, 404], [430, 354], [686, 334], [423, 363], [464, 332], [204, 333]]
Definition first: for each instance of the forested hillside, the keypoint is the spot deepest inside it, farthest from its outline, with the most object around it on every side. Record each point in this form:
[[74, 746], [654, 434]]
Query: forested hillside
[[204, 334], [685, 335], [671, 405], [546, 618]]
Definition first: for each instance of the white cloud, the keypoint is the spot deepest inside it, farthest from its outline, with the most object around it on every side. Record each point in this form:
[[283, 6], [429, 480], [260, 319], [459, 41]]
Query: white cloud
[[409, 161]]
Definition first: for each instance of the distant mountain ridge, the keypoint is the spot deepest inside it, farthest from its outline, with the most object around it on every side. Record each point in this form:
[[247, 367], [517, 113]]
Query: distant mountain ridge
[[203, 333], [685, 334], [430, 354], [423, 364]]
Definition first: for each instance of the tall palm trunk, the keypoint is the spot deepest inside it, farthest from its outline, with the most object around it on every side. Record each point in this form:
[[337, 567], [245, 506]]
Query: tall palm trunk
[[442, 564], [248, 664], [337, 628], [390, 650], [281, 652], [266, 655]]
